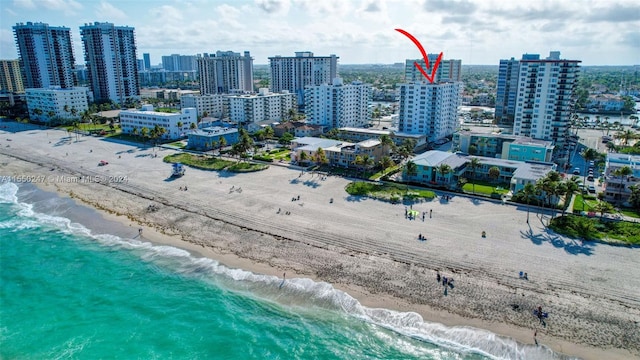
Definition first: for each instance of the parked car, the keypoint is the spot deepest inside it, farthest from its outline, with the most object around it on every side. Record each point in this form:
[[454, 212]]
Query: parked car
[[590, 177], [576, 171], [592, 189]]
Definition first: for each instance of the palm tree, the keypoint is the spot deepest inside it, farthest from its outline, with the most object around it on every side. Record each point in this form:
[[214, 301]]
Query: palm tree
[[222, 142], [385, 141], [474, 165], [411, 169], [134, 131], [144, 132], [444, 170], [180, 123], [385, 162], [320, 157], [303, 157], [529, 191], [572, 186], [625, 136], [622, 172], [494, 173], [193, 126], [611, 147]]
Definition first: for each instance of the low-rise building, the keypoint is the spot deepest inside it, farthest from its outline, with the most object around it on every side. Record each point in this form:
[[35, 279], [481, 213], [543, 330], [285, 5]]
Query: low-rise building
[[617, 189], [133, 121], [57, 104], [508, 147], [338, 153], [605, 102], [360, 134], [516, 173], [297, 129], [210, 138]]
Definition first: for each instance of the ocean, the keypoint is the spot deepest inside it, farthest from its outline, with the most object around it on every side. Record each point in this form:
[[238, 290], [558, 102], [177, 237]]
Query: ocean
[[70, 292]]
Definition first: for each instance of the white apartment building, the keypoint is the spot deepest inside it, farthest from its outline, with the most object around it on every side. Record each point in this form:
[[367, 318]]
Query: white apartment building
[[294, 73], [57, 104], [429, 109], [545, 101], [214, 105], [448, 70], [225, 72], [110, 58], [147, 118], [264, 106], [338, 105]]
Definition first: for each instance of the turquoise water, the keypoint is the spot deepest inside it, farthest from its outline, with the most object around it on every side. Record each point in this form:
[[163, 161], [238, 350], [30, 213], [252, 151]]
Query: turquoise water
[[69, 294]]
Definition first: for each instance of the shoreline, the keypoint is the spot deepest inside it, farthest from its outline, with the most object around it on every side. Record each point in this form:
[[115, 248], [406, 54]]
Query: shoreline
[[155, 236], [243, 231]]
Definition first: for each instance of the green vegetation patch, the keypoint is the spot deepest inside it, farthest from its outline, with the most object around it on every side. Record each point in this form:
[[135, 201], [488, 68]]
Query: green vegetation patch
[[198, 161], [247, 167], [213, 163], [388, 192], [596, 229], [589, 203], [486, 189]]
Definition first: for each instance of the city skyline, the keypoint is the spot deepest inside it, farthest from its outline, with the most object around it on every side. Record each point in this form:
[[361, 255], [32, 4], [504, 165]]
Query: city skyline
[[359, 32]]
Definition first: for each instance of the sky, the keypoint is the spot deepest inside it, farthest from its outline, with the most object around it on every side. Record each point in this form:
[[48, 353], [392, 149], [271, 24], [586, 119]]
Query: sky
[[479, 32]]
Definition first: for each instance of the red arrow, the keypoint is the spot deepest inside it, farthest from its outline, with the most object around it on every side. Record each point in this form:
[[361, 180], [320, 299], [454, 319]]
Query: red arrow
[[424, 56]]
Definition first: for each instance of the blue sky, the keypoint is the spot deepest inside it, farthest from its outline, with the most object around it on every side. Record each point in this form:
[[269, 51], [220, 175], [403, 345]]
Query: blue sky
[[599, 32]]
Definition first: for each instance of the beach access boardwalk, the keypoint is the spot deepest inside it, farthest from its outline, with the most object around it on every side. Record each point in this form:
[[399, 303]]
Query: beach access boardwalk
[[568, 277]]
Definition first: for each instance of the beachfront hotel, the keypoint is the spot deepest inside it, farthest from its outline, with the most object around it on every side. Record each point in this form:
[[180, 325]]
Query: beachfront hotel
[[294, 73], [338, 105], [225, 72], [46, 55], [132, 121], [617, 189], [56, 104], [545, 100], [429, 109], [261, 107], [448, 70], [110, 57], [11, 76]]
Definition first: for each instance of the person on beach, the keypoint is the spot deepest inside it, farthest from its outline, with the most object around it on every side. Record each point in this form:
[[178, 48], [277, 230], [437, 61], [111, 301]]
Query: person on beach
[[140, 232], [438, 276], [430, 212]]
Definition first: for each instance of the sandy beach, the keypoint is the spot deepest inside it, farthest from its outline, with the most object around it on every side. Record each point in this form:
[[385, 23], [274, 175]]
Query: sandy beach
[[362, 246]]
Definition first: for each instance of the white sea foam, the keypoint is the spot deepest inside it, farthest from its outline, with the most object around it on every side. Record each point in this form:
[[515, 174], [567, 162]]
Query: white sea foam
[[299, 292]]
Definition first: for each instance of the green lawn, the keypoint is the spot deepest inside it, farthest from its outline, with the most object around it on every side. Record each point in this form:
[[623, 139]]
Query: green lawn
[[596, 229], [212, 163], [630, 213], [486, 189], [179, 144], [589, 203], [389, 192]]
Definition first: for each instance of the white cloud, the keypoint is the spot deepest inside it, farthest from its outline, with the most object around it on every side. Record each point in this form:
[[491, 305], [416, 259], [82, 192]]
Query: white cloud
[[25, 4], [109, 13], [279, 7]]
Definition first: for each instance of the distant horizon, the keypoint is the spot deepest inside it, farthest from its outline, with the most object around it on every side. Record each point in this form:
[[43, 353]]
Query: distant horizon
[[479, 32]]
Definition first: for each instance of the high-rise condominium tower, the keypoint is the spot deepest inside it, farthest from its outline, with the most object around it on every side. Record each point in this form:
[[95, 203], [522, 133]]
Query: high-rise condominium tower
[[110, 57], [10, 76], [225, 72], [545, 99], [507, 91], [295, 72], [448, 70], [46, 55], [338, 105]]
